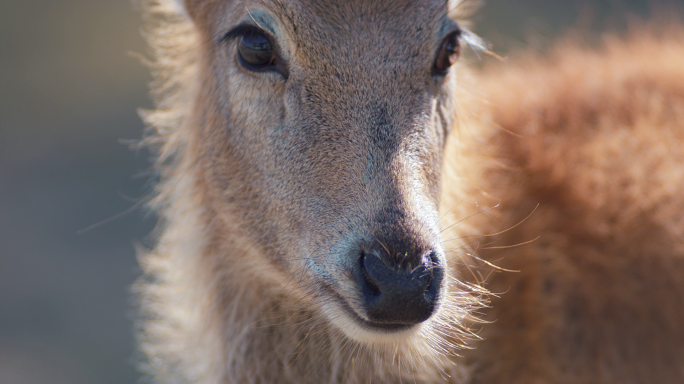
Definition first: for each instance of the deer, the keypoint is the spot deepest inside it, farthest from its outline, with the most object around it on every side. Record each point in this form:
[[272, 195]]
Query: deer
[[343, 200]]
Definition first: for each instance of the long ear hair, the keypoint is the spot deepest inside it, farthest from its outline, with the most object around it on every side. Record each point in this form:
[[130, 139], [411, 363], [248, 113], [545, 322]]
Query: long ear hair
[[172, 59]]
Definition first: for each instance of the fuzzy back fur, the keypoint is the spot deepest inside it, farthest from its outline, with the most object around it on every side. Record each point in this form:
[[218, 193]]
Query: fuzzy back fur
[[594, 140], [580, 153]]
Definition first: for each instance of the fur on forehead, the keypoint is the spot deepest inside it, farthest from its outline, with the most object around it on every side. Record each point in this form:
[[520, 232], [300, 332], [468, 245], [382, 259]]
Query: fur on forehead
[[202, 9]]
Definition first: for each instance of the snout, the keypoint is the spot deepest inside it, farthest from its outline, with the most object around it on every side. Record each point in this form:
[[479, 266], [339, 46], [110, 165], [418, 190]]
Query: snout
[[400, 291], [397, 288]]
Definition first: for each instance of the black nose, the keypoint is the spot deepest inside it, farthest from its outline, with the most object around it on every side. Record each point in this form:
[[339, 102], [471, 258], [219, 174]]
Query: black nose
[[401, 291]]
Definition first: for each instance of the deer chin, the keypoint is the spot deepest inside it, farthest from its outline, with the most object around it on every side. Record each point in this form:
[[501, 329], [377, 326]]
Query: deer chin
[[356, 328]]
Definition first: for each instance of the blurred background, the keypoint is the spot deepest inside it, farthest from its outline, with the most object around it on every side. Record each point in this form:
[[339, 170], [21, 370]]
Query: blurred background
[[69, 91]]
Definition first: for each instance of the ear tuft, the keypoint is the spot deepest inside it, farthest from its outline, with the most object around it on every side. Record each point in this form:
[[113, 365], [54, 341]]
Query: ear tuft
[[177, 5]]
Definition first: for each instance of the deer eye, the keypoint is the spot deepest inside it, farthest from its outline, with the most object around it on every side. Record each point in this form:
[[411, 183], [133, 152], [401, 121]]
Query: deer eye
[[448, 54], [255, 51]]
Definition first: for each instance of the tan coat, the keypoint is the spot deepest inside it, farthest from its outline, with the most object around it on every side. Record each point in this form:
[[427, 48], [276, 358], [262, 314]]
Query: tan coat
[[557, 189]]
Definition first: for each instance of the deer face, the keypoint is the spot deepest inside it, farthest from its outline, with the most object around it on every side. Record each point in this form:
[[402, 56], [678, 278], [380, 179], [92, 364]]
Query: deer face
[[320, 127]]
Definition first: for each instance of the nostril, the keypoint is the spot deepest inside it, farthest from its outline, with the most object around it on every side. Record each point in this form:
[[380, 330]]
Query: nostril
[[372, 287], [397, 293]]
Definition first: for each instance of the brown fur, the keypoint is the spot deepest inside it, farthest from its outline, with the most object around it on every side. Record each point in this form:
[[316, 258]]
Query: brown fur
[[593, 138]]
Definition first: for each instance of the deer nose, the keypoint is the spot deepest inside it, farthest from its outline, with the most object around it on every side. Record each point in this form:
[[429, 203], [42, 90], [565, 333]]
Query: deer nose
[[401, 291]]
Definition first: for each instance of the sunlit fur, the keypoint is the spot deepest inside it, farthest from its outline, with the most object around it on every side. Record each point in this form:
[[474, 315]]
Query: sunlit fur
[[592, 137], [589, 143], [216, 312]]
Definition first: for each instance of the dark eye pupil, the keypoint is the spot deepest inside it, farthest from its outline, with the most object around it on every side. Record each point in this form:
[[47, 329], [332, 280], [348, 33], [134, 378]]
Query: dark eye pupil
[[255, 50], [452, 50], [447, 56]]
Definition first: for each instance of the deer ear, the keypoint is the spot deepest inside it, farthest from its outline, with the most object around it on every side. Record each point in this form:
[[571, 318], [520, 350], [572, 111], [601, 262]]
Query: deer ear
[[176, 6]]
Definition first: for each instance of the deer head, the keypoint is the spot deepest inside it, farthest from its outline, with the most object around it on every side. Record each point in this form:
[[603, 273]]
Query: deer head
[[319, 129]]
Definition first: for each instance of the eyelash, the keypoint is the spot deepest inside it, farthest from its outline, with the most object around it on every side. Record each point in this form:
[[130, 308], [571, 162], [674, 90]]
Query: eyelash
[[241, 30]]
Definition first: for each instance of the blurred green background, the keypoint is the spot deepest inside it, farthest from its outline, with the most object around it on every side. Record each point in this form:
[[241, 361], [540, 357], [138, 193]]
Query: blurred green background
[[69, 91]]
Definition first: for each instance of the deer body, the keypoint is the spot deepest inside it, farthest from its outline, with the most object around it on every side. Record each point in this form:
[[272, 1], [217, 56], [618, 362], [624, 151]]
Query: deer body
[[594, 141], [312, 234]]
